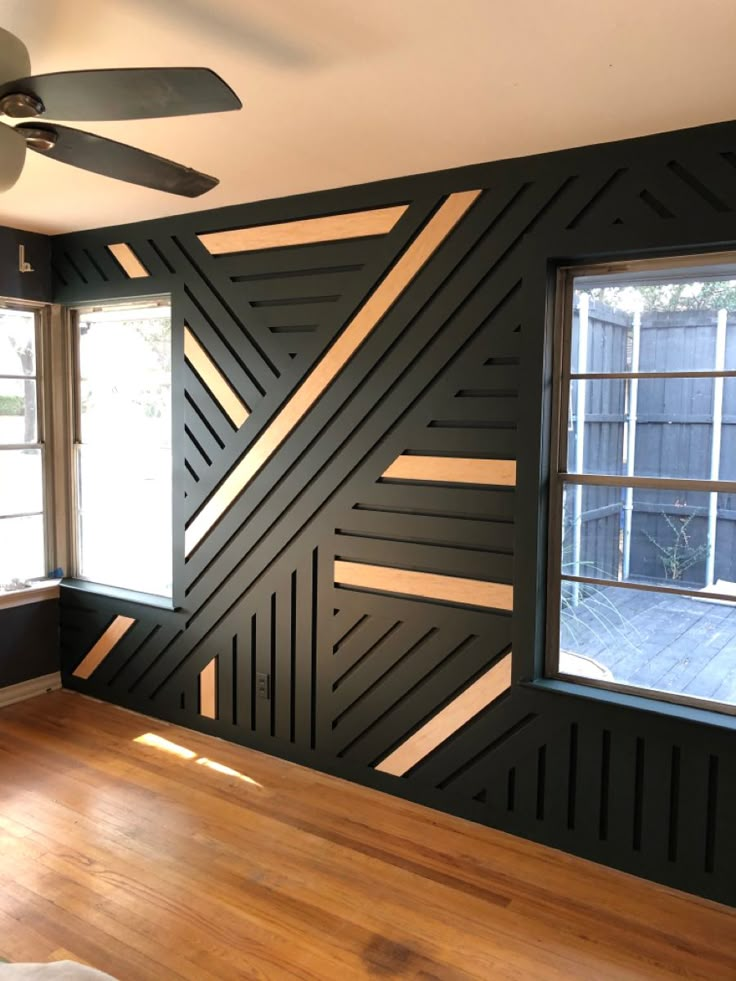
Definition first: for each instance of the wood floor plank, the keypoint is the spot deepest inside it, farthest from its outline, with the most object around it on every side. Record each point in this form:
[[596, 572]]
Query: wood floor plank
[[146, 864]]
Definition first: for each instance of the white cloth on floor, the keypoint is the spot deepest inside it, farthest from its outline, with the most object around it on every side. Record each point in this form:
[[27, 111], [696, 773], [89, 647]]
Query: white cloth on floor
[[58, 971]]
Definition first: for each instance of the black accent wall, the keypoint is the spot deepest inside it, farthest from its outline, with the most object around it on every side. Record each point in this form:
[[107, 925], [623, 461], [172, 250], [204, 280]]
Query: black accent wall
[[458, 367]]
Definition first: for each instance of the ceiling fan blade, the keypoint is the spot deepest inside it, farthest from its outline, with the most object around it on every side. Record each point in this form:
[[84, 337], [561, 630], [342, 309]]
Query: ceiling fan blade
[[12, 156], [126, 93], [14, 58], [112, 159]]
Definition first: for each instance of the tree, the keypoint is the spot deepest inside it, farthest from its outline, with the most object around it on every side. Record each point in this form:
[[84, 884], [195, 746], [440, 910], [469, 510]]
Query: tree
[[670, 297], [25, 352]]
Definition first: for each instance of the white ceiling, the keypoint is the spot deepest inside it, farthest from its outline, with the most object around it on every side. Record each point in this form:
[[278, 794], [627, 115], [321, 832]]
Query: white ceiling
[[338, 92]]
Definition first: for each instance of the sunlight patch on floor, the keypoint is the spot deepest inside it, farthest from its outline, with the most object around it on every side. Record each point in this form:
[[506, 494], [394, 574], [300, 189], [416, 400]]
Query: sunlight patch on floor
[[226, 770], [158, 742]]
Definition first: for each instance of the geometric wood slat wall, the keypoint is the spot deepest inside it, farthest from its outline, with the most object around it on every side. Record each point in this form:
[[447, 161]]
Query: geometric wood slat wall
[[361, 432]]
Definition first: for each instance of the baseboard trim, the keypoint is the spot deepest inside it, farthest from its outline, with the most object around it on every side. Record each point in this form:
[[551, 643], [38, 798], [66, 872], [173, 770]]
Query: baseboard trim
[[30, 688]]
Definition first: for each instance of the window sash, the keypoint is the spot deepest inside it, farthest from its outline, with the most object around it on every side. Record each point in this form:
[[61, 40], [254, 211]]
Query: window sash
[[41, 318], [562, 377], [150, 308]]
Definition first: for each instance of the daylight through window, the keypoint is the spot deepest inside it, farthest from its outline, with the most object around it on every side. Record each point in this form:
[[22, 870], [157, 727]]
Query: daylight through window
[[123, 447], [643, 554]]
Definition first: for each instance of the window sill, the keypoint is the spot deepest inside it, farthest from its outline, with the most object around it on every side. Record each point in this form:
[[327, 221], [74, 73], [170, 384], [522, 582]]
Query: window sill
[[640, 703], [115, 592], [37, 592]]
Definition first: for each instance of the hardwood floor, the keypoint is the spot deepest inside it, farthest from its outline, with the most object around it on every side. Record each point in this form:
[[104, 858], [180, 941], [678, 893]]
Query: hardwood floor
[[152, 865]]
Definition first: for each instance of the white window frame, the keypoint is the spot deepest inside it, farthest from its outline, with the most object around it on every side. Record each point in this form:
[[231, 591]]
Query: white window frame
[[559, 477], [45, 430]]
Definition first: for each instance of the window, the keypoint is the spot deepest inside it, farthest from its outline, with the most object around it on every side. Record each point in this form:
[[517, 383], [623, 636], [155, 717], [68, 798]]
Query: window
[[643, 485], [23, 536], [123, 446]]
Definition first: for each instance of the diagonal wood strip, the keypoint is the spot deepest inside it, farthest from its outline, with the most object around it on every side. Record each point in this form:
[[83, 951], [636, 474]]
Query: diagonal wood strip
[[221, 390], [330, 228], [208, 690], [358, 329], [426, 585], [446, 722], [97, 654], [453, 470], [131, 264]]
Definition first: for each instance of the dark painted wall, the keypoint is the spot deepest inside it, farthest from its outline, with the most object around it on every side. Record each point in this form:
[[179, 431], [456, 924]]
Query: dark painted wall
[[29, 642], [34, 285], [459, 367]]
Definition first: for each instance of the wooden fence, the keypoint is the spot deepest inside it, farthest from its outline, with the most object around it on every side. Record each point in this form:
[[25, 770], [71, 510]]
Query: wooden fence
[[674, 437]]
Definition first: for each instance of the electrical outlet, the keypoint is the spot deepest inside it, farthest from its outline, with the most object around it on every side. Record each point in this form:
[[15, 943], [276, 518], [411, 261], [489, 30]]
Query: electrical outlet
[[263, 686]]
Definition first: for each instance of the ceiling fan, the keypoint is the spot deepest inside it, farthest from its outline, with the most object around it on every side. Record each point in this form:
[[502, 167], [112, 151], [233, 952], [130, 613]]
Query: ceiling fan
[[101, 94]]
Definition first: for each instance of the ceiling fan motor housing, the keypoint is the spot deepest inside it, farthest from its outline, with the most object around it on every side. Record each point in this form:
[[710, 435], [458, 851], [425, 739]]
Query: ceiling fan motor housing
[[15, 61]]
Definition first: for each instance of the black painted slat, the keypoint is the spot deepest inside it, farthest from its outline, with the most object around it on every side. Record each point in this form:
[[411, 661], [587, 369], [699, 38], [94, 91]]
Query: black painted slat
[[282, 680], [219, 352], [290, 289], [200, 433], [497, 505], [354, 647], [455, 532], [353, 683], [297, 262], [207, 406], [486, 566], [477, 411], [444, 661]]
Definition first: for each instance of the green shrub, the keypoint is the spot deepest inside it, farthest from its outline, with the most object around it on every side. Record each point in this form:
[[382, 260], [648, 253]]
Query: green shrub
[[11, 405]]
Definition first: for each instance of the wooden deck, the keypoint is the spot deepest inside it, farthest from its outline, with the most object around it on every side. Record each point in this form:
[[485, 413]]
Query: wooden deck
[[674, 643], [193, 858]]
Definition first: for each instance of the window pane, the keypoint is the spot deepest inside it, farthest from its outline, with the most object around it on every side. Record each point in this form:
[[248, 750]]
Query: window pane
[[18, 411], [21, 482], [134, 550], [673, 426], [675, 325], [605, 335], [125, 373], [124, 462], [17, 343], [648, 536], [22, 549], [655, 641]]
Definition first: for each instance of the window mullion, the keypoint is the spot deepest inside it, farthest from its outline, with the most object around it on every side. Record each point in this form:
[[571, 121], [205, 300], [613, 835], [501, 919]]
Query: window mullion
[[656, 483]]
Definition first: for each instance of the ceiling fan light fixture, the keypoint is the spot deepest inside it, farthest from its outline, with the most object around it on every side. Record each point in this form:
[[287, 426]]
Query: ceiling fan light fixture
[[18, 105], [40, 138]]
